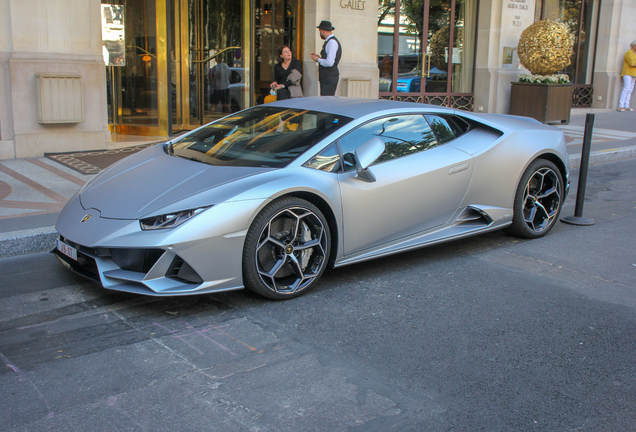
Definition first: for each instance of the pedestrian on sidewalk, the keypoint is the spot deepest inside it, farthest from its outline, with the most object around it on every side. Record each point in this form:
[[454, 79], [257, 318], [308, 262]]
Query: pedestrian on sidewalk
[[328, 73], [629, 77]]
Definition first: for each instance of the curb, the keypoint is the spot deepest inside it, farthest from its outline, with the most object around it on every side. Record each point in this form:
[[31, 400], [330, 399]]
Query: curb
[[603, 156], [27, 241]]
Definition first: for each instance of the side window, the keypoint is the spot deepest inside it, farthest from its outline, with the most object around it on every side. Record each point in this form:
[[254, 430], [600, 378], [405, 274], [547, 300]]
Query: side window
[[402, 135], [459, 125], [327, 160], [441, 128]]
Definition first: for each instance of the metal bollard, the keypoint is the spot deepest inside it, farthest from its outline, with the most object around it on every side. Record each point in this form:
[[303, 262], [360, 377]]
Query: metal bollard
[[578, 218]]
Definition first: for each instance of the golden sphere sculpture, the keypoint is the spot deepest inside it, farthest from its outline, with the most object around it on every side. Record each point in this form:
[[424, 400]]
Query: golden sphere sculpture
[[545, 47]]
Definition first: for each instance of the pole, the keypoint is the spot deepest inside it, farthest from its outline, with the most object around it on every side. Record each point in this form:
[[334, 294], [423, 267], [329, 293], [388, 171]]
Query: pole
[[578, 218]]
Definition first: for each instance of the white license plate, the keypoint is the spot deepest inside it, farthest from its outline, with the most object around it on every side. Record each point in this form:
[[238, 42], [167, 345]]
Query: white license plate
[[67, 250]]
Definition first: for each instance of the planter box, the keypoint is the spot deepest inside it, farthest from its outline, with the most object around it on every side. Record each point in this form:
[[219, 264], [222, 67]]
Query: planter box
[[544, 102]]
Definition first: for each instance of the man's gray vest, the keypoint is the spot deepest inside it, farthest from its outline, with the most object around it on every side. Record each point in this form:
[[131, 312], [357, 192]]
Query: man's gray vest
[[333, 70]]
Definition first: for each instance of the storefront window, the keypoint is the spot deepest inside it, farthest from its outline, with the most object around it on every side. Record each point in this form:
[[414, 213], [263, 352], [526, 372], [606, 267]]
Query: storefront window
[[410, 46], [586, 42], [438, 50], [464, 46], [432, 40], [581, 18], [386, 30]]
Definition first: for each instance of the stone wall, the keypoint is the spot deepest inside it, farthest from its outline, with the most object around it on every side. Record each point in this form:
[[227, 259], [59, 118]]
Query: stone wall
[[56, 37]]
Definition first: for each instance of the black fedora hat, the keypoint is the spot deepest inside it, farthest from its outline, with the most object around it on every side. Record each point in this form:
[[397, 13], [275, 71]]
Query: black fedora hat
[[325, 25]]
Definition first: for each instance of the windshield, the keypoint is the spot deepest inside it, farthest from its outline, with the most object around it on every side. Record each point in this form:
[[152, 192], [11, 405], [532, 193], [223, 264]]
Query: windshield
[[258, 137]]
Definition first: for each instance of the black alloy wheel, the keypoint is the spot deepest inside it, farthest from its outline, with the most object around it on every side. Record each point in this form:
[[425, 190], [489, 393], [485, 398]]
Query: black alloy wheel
[[286, 249], [538, 200]]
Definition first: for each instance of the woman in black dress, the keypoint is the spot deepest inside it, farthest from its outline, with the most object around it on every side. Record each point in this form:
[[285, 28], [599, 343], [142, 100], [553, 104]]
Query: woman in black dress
[[282, 70]]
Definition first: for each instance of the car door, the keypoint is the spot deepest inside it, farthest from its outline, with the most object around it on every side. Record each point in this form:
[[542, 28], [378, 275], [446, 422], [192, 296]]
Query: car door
[[419, 182]]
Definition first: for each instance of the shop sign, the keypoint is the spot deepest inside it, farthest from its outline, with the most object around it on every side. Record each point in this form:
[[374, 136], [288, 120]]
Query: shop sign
[[352, 4], [517, 14]]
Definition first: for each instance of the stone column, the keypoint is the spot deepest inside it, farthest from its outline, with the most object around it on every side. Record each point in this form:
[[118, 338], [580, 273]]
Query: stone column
[[616, 32], [501, 23], [356, 29]]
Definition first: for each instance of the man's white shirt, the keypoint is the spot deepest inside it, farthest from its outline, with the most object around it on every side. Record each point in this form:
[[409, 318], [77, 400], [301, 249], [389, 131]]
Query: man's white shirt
[[332, 50]]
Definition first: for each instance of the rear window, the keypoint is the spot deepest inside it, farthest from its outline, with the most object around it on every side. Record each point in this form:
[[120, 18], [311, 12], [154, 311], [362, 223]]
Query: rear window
[[258, 137]]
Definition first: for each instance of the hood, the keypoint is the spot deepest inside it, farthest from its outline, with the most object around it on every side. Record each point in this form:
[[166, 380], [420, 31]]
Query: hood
[[147, 181]]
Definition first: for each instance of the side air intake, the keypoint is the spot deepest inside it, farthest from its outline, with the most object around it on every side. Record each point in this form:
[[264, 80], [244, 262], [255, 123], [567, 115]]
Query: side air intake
[[474, 217]]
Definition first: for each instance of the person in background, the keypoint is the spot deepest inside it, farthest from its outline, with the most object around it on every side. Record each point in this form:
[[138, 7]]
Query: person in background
[[629, 77], [219, 79], [286, 64], [328, 73]]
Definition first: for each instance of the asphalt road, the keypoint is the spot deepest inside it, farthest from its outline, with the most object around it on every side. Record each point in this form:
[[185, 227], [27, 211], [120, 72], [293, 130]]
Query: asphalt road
[[487, 334]]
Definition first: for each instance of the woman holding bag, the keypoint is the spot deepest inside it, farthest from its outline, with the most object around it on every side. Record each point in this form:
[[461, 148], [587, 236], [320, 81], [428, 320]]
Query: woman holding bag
[[286, 83]]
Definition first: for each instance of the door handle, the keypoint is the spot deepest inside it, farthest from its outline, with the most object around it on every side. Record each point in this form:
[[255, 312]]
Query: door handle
[[459, 168]]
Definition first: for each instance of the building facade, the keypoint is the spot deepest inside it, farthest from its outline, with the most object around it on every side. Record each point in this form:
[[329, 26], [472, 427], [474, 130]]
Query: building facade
[[85, 74]]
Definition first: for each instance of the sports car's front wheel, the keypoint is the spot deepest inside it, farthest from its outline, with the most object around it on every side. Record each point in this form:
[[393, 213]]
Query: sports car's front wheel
[[538, 200], [286, 249]]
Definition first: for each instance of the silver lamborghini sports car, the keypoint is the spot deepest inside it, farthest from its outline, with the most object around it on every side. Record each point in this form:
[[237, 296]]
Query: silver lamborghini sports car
[[268, 197]]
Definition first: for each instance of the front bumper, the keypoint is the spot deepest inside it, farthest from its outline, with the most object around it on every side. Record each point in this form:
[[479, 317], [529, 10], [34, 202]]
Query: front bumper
[[203, 255], [154, 272]]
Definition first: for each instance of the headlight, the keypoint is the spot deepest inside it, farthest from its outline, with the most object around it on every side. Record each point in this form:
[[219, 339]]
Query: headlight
[[170, 220]]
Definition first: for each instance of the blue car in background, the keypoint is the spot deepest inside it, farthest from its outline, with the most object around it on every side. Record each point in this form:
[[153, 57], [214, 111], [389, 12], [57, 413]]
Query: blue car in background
[[411, 83]]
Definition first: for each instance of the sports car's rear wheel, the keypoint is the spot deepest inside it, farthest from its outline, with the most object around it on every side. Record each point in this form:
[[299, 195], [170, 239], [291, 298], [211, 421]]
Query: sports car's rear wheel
[[286, 249], [538, 200]]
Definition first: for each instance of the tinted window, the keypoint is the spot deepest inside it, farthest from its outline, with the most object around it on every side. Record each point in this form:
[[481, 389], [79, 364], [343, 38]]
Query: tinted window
[[441, 128], [327, 160], [459, 125], [447, 128], [402, 135], [261, 136]]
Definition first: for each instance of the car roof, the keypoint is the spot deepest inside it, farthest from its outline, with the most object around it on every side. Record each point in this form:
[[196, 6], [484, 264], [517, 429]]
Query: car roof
[[354, 107]]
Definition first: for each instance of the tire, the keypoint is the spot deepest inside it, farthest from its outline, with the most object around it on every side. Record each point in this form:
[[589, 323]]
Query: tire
[[286, 249], [538, 200]]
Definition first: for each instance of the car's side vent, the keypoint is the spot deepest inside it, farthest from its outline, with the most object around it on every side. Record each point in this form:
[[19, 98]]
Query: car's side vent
[[472, 216], [181, 270]]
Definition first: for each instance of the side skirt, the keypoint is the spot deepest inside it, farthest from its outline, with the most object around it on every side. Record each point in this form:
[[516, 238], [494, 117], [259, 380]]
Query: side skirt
[[442, 235]]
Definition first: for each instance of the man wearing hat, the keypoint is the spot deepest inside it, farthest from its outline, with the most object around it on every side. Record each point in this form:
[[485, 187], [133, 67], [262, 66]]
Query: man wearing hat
[[328, 73]]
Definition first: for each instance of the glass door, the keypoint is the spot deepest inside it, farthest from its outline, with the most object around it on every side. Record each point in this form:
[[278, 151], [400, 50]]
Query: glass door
[[186, 62], [189, 62], [209, 60]]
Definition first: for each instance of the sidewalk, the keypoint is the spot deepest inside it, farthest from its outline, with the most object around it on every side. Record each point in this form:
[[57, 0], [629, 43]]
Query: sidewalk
[[34, 190]]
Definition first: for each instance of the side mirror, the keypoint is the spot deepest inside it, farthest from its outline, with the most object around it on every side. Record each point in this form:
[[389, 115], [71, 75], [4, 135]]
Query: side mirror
[[365, 155]]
